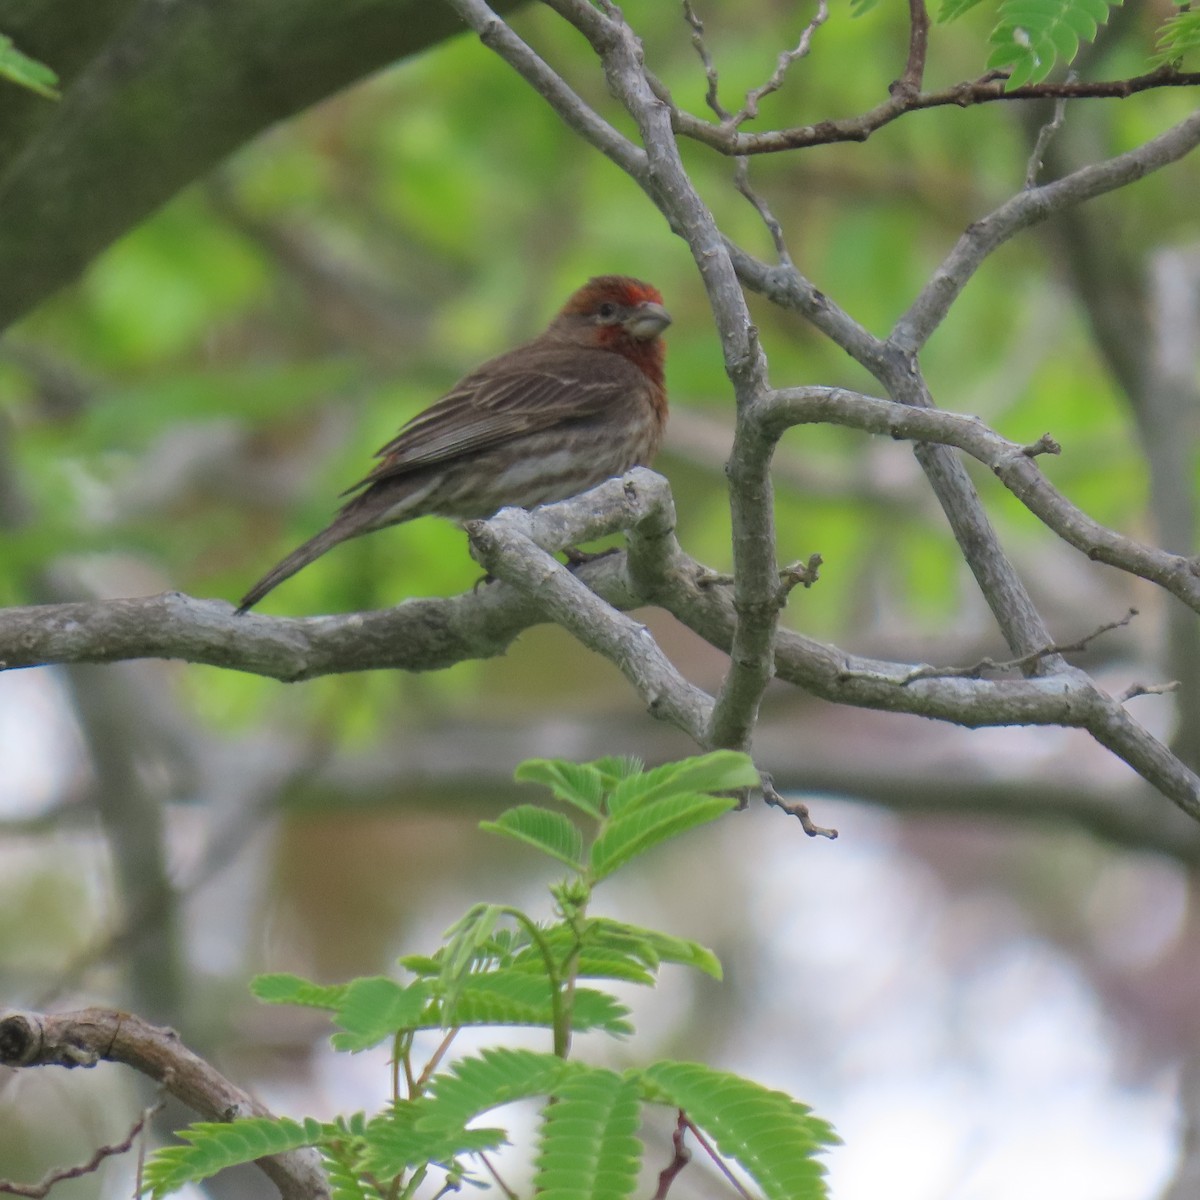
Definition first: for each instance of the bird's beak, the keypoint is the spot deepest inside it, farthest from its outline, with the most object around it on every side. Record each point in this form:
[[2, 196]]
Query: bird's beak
[[647, 321]]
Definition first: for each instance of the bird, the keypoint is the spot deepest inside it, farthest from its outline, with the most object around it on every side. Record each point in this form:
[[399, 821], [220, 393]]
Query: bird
[[582, 402]]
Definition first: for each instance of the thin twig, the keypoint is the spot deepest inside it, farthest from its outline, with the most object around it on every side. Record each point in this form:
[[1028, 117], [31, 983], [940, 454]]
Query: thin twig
[[682, 1157], [749, 109], [918, 45], [794, 808], [976, 670], [990, 88], [741, 172], [36, 1191], [508, 1192], [800, 574], [1148, 689], [741, 181], [435, 1058], [711, 1151], [1045, 134], [711, 98]]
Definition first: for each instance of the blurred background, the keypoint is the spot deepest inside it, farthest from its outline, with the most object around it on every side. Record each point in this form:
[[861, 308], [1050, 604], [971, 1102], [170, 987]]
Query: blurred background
[[988, 983]]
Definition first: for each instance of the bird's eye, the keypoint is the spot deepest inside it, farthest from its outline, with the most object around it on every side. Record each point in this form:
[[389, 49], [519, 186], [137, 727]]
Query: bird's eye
[[607, 309]]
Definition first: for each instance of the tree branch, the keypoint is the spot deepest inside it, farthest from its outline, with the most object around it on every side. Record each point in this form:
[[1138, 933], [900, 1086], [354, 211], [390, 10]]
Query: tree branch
[[895, 364], [918, 45], [497, 36], [156, 95], [427, 634], [1012, 463], [41, 1189], [756, 569], [92, 1035], [507, 546], [1027, 208], [990, 88]]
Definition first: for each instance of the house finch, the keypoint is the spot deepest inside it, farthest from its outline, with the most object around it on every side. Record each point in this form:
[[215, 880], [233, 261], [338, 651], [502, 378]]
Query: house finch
[[578, 404]]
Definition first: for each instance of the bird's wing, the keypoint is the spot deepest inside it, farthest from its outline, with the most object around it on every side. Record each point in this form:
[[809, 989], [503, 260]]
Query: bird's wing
[[504, 399]]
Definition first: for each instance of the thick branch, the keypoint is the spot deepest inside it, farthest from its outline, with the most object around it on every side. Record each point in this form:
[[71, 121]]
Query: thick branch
[[506, 546], [169, 91], [429, 634]]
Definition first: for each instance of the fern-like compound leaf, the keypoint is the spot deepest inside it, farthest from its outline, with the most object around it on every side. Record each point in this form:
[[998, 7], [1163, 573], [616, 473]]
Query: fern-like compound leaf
[[214, 1145], [644, 826], [589, 1149], [376, 1008], [542, 828], [291, 989], [487, 1080], [580, 784], [774, 1137], [1178, 37], [722, 770], [1032, 35]]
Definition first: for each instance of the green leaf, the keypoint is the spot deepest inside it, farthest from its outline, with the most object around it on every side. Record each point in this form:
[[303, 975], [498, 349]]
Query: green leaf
[[594, 1009], [611, 949], [589, 1149], [375, 1008], [345, 1178], [1177, 36], [467, 943], [393, 1142], [720, 771], [516, 997], [291, 989], [625, 837], [494, 1077], [1032, 35], [215, 1145], [605, 962], [597, 955], [421, 964], [859, 7], [614, 768], [664, 947], [771, 1135], [548, 831], [26, 72], [580, 784], [499, 997]]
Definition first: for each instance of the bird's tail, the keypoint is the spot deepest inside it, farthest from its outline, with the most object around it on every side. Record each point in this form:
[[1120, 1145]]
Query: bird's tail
[[300, 557]]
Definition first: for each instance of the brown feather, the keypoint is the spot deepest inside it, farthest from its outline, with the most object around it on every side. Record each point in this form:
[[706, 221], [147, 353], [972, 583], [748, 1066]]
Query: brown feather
[[580, 403]]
